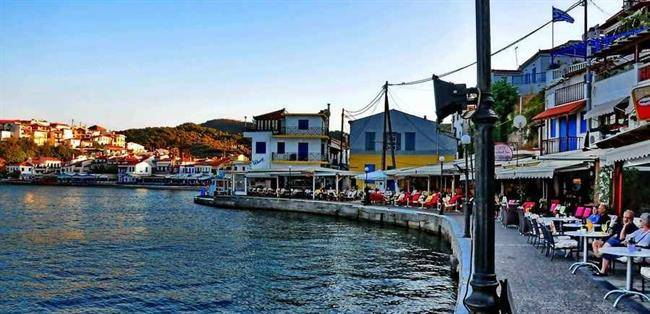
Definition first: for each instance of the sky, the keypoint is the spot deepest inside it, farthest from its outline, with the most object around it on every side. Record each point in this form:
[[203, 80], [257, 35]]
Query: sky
[[127, 64]]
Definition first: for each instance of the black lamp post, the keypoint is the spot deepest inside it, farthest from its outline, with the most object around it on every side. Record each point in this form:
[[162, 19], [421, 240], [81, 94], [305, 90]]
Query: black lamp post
[[466, 140], [484, 282]]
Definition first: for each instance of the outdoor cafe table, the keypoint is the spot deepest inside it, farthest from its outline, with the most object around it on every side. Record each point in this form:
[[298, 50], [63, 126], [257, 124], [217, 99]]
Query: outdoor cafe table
[[623, 251], [584, 235]]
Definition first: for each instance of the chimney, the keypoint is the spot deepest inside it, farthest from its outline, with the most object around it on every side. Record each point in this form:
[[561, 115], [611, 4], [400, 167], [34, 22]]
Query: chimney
[[425, 117]]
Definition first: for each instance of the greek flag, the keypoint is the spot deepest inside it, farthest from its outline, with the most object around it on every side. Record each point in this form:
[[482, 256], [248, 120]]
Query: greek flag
[[559, 15]]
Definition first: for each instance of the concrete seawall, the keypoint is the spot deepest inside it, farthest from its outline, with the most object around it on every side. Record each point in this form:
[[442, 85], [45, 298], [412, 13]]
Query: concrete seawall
[[441, 225]]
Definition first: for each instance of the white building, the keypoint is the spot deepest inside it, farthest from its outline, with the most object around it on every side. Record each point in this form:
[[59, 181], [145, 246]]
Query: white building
[[280, 139], [135, 148], [131, 169]]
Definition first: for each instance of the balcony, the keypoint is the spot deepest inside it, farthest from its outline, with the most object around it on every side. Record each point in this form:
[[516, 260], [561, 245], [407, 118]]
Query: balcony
[[561, 144], [570, 93], [291, 130], [294, 130], [312, 157]]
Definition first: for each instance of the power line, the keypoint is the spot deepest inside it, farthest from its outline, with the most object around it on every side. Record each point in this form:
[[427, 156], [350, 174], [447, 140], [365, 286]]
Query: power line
[[428, 79]]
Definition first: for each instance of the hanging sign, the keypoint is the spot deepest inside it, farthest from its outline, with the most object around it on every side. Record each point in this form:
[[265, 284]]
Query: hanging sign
[[641, 98], [502, 152]]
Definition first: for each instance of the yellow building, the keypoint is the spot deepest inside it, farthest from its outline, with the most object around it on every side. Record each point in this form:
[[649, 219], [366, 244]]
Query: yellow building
[[417, 142]]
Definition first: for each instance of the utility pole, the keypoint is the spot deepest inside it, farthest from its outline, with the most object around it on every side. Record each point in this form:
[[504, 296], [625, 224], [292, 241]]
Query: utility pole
[[390, 127], [587, 69], [341, 139], [484, 282], [384, 141]]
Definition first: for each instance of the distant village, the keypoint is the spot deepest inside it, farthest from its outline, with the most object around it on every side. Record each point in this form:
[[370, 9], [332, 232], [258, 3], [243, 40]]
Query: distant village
[[101, 156]]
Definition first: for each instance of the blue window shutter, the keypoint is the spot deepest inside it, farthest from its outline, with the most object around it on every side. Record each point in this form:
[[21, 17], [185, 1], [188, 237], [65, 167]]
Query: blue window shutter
[[409, 141], [370, 141], [303, 124], [260, 147], [553, 132]]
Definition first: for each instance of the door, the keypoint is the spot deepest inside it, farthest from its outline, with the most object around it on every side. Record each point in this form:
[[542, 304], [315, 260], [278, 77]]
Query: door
[[572, 133], [303, 151], [562, 139]]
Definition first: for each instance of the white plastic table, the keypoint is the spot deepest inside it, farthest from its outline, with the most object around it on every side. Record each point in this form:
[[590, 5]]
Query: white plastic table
[[584, 235], [623, 251]]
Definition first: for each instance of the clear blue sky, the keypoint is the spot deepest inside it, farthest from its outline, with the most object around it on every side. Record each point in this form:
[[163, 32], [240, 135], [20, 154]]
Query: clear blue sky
[[150, 63]]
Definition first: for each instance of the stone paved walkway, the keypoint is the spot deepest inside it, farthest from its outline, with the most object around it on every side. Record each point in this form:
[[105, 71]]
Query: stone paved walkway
[[540, 285]]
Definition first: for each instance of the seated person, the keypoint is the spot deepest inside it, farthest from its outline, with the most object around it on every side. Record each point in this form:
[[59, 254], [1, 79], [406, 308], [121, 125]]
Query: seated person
[[628, 232], [600, 217]]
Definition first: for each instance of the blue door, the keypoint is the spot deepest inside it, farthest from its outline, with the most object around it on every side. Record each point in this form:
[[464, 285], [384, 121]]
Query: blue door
[[303, 151], [573, 132], [562, 140]]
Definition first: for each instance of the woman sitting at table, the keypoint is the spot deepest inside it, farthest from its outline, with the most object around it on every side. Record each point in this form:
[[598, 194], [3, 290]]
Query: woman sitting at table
[[641, 237], [600, 217]]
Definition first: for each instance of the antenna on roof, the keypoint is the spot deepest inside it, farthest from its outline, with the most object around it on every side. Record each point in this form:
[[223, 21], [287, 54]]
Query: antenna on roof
[[516, 56]]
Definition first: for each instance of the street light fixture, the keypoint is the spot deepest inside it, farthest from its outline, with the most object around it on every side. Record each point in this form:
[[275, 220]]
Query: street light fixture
[[365, 182], [289, 181]]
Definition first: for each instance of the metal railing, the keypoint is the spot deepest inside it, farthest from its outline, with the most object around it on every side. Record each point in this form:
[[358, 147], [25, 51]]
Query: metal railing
[[299, 157], [570, 93], [561, 144], [294, 130], [291, 130]]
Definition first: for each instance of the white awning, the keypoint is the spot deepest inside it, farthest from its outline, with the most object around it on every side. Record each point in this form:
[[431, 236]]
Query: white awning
[[425, 171], [629, 152], [605, 108], [545, 169]]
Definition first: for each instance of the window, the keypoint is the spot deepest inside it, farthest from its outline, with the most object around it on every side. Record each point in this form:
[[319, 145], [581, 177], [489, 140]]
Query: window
[[260, 147], [322, 149], [303, 124], [370, 141], [280, 147], [370, 167], [534, 75], [552, 126], [583, 123], [409, 141], [396, 140], [527, 78]]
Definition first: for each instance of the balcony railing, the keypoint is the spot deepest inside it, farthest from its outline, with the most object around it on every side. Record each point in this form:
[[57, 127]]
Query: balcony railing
[[294, 130], [570, 93], [299, 157], [291, 130], [561, 144]]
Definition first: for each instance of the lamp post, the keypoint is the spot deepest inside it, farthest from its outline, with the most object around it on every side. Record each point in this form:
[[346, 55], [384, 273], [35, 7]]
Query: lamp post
[[466, 140], [483, 298], [365, 182], [289, 181], [441, 159]]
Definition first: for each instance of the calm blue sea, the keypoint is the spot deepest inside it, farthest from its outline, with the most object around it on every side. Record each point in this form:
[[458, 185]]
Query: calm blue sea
[[87, 249]]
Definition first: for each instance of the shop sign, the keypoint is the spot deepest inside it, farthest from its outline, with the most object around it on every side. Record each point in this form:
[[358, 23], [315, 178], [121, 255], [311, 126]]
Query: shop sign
[[641, 99], [502, 152]]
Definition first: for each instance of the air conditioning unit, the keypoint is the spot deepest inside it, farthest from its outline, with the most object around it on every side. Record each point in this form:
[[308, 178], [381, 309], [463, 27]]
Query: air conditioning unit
[[594, 137]]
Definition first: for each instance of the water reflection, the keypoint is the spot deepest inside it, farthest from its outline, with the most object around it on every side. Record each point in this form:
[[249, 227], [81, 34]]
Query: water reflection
[[99, 249]]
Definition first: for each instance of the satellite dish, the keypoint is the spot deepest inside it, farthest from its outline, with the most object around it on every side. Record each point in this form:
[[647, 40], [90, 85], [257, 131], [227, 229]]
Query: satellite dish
[[519, 122]]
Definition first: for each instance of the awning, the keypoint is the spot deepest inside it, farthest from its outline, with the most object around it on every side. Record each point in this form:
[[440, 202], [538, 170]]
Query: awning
[[627, 137], [425, 171], [560, 110], [630, 152], [605, 108], [372, 176], [545, 169]]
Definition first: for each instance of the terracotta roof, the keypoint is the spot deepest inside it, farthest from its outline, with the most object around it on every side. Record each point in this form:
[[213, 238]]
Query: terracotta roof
[[7, 121], [560, 110]]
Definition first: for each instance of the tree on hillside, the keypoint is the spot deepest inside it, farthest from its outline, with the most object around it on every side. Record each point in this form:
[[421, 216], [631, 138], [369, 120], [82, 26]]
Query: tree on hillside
[[505, 98], [533, 107]]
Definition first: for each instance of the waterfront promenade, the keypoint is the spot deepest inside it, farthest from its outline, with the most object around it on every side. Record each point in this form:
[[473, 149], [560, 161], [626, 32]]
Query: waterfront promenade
[[538, 284]]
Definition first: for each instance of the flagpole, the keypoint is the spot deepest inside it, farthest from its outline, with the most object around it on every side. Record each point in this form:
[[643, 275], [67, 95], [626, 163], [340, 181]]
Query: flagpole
[[552, 40]]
